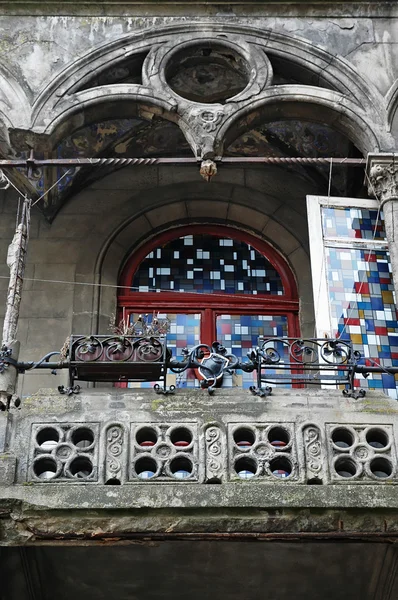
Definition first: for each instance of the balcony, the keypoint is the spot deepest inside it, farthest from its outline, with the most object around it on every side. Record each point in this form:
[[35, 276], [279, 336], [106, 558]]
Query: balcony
[[286, 450], [146, 358]]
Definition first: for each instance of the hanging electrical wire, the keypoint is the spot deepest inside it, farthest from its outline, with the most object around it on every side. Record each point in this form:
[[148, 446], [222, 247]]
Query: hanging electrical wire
[[68, 172]]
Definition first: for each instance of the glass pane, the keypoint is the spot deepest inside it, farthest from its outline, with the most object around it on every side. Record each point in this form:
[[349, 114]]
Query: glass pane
[[184, 331], [355, 223], [363, 309], [207, 264], [240, 333]]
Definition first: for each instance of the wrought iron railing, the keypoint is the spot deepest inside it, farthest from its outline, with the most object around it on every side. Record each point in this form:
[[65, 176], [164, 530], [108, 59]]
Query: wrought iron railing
[[118, 358], [146, 358], [304, 361]]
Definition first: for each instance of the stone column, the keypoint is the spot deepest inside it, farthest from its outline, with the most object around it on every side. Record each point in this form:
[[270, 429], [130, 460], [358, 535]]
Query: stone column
[[382, 180]]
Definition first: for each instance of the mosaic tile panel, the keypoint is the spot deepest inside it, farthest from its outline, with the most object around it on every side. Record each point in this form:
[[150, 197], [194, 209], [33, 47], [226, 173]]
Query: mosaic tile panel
[[354, 223], [363, 309], [207, 264], [240, 333], [184, 332]]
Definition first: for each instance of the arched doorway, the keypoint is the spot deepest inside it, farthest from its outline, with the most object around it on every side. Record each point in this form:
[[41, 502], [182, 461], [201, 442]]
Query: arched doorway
[[211, 283]]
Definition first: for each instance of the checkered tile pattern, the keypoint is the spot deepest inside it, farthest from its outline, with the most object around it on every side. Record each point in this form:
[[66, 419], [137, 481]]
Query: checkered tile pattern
[[361, 293], [207, 264]]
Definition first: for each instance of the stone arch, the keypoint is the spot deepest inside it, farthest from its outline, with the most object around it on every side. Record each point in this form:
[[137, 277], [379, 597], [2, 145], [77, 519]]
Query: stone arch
[[99, 110], [298, 102], [15, 109], [328, 67], [183, 207], [353, 96], [91, 105], [337, 71], [75, 74]]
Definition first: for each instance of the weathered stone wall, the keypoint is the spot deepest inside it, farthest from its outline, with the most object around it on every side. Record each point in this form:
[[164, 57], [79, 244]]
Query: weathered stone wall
[[36, 48], [319, 429], [94, 233]]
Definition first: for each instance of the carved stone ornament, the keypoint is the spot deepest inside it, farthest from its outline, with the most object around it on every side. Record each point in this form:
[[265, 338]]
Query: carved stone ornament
[[214, 453], [208, 169], [209, 119], [201, 126], [114, 451], [313, 451], [383, 179]]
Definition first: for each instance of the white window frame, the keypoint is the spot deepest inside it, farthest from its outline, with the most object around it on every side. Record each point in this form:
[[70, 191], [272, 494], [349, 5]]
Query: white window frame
[[318, 243]]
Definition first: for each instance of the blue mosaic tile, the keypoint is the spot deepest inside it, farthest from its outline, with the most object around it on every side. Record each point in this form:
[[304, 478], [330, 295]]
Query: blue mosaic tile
[[354, 223], [363, 309], [240, 333]]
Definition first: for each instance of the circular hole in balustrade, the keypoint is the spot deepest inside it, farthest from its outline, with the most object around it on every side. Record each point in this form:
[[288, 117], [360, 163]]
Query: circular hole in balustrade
[[181, 467], [342, 437], [47, 438], [345, 467], [146, 467], [81, 467], [244, 437], [146, 437], [281, 467], [181, 437], [246, 467], [113, 481], [381, 467], [377, 438], [278, 437], [82, 438], [45, 468]]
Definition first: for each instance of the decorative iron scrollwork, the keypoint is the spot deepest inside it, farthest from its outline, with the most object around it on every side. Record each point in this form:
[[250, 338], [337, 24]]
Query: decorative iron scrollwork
[[69, 390], [355, 394], [145, 357], [209, 362], [119, 348], [298, 360], [164, 390], [261, 391]]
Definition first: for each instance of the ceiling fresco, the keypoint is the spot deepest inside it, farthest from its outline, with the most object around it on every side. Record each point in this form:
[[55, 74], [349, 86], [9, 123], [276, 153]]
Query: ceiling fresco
[[136, 137], [293, 138], [290, 137], [120, 138], [191, 82]]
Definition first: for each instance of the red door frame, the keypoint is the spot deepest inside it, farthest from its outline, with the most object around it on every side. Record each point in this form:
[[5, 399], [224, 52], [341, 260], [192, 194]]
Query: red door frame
[[174, 302]]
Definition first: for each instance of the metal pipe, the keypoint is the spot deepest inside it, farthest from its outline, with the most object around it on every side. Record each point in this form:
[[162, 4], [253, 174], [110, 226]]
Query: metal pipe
[[33, 163], [362, 369]]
